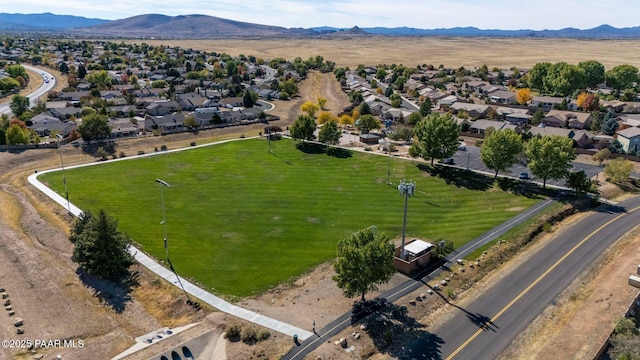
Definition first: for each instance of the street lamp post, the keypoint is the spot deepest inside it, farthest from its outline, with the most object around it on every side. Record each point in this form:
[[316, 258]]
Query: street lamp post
[[64, 178], [166, 245], [164, 219], [406, 189]]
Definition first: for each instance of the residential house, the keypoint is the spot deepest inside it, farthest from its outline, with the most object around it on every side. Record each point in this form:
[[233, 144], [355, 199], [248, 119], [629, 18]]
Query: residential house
[[543, 130], [445, 102], [475, 111], [169, 123], [65, 113], [583, 138], [480, 126], [572, 119], [514, 115], [615, 105], [162, 108], [546, 102], [122, 111], [45, 125], [110, 94], [122, 127], [191, 101], [629, 138], [73, 96], [629, 120], [232, 102], [395, 114], [56, 104], [502, 97]]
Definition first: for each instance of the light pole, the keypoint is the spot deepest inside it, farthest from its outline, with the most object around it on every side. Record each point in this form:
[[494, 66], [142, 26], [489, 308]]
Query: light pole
[[164, 219], [64, 178], [406, 189], [166, 245]]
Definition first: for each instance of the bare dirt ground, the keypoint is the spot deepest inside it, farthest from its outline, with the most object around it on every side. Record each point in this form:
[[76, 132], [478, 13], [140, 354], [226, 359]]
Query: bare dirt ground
[[413, 51], [56, 303]]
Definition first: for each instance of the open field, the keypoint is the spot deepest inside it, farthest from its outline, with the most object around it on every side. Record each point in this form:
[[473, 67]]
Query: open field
[[412, 51], [241, 220]]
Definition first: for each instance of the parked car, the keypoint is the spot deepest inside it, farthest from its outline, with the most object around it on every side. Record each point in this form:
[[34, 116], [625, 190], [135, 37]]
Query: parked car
[[449, 161], [523, 176], [462, 148]]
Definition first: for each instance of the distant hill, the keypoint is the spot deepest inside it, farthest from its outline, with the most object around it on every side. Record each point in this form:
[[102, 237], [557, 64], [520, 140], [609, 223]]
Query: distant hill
[[207, 27], [186, 26], [46, 21], [600, 32]]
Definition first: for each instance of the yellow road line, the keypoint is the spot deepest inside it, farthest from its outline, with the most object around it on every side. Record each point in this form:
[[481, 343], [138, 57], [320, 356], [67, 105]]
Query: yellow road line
[[461, 347]]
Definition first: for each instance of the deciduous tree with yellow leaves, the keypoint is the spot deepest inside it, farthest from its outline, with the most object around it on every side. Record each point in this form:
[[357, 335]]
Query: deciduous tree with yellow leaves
[[523, 96]]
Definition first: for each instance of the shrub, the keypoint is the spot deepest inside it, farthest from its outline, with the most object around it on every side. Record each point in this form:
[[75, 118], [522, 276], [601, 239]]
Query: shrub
[[193, 143], [263, 334], [140, 152], [233, 331], [163, 147], [102, 153], [249, 335], [155, 149], [122, 154]]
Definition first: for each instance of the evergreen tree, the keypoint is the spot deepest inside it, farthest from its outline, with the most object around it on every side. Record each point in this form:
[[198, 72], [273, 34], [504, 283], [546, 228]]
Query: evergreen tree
[[100, 248]]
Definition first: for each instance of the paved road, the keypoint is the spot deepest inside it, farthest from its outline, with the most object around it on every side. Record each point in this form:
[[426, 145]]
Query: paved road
[[488, 325], [470, 158], [325, 334], [47, 85]]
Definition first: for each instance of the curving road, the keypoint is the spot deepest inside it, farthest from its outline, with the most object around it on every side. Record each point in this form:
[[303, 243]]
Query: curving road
[[49, 81], [488, 325]]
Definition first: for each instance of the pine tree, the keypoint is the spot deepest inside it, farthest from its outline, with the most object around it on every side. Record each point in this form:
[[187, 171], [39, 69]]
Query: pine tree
[[100, 248]]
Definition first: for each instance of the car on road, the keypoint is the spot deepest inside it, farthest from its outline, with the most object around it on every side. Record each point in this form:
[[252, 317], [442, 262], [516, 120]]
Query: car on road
[[449, 161], [523, 176]]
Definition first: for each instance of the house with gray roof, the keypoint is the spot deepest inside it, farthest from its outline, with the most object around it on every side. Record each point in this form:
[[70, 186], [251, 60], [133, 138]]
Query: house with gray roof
[[475, 111], [629, 138], [546, 102], [170, 123], [45, 125], [480, 126], [122, 127]]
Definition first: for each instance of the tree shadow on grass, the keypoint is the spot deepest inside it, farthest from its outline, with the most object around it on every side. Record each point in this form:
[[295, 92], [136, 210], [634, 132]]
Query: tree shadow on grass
[[310, 148], [523, 188], [315, 148], [393, 322], [459, 177], [116, 295], [339, 153]]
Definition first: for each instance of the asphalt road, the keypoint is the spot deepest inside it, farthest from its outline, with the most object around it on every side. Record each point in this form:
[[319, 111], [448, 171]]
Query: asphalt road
[[488, 325], [470, 159], [34, 96]]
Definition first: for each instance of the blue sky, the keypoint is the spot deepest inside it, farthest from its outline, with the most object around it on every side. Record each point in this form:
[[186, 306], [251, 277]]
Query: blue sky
[[425, 14]]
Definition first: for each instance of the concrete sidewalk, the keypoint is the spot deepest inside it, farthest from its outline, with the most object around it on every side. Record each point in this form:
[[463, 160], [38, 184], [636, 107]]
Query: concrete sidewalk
[[168, 275]]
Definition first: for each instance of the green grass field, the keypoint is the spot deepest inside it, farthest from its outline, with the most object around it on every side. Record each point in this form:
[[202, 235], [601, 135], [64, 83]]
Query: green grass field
[[241, 220]]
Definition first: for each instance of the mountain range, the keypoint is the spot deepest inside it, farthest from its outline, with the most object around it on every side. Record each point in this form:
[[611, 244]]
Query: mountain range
[[207, 27]]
